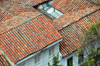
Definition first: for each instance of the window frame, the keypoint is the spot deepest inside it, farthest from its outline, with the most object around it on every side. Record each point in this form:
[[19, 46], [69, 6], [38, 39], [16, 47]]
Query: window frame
[[80, 58], [51, 52], [70, 60], [22, 64], [38, 59]]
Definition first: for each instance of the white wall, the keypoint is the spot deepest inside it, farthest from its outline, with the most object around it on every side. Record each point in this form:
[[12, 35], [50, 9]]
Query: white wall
[[60, 13], [75, 60]]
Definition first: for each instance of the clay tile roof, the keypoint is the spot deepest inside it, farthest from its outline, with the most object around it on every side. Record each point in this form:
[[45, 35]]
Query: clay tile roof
[[28, 37], [16, 20], [67, 6], [73, 34], [17, 9], [72, 17], [11, 10], [4, 16], [3, 4], [3, 61], [28, 2]]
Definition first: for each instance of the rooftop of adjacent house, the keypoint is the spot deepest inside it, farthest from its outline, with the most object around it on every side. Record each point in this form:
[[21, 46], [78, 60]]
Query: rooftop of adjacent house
[[26, 34], [10, 10], [67, 6], [3, 61], [25, 31], [69, 18], [72, 26], [17, 20], [28, 2]]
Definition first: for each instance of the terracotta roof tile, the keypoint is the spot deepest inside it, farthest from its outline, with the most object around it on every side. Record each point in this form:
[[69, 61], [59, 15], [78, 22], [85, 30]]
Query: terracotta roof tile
[[67, 6], [4, 16], [9, 10], [3, 4], [17, 20], [3, 61], [73, 34], [28, 2], [17, 9], [28, 37], [72, 17]]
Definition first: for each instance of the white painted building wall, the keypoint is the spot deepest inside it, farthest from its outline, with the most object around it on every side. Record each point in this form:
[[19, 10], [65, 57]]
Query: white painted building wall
[[74, 57]]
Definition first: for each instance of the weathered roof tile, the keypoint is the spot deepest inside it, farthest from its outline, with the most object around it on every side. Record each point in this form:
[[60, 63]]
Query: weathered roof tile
[[69, 18], [73, 34], [67, 6], [28, 36], [3, 61]]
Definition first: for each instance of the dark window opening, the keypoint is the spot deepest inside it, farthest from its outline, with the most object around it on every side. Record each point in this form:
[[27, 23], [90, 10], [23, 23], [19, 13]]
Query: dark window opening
[[98, 55], [46, 2], [70, 62], [80, 58]]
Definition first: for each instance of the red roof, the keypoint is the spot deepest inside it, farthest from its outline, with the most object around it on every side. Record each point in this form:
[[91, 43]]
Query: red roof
[[67, 6], [3, 61], [28, 2], [28, 37], [17, 9], [69, 18], [8, 10], [4, 16], [73, 34], [96, 1], [16, 20]]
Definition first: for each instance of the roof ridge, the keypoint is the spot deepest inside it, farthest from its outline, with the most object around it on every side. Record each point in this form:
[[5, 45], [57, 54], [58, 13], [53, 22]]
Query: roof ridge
[[19, 24], [7, 12], [88, 13]]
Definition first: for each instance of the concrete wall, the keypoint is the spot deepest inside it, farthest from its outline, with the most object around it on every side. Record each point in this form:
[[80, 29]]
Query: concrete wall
[[44, 58]]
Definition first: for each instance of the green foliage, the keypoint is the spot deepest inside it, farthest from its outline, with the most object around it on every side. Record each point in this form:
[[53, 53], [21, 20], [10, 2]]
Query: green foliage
[[7, 65], [92, 34], [70, 63], [90, 62], [55, 60], [98, 52]]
